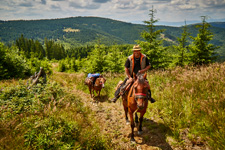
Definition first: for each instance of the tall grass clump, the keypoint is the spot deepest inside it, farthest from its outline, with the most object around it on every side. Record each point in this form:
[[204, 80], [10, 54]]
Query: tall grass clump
[[46, 117], [191, 99]]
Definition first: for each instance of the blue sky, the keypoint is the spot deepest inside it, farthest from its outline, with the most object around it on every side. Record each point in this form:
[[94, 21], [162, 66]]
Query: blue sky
[[134, 11]]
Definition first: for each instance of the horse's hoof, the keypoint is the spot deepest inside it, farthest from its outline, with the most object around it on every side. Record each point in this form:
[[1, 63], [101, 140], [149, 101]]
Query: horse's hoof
[[140, 132], [127, 122], [132, 141]]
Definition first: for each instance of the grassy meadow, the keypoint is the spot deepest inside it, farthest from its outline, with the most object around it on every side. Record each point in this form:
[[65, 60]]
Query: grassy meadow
[[46, 117], [190, 102]]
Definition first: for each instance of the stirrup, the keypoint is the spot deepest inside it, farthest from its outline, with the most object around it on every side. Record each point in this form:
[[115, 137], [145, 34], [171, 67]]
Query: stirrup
[[113, 100]]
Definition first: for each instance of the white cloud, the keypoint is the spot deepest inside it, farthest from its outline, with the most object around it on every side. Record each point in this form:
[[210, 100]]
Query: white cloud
[[124, 10]]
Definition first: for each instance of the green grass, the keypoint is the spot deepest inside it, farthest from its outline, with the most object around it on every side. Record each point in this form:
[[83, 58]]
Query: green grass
[[46, 117], [191, 98]]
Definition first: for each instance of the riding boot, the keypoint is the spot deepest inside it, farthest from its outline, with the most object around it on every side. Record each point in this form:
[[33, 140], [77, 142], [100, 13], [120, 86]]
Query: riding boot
[[115, 99], [117, 94], [119, 91], [152, 100]]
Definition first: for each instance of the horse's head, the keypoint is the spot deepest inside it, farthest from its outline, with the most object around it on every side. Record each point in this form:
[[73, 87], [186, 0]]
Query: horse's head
[[141, 87], [100, 81]]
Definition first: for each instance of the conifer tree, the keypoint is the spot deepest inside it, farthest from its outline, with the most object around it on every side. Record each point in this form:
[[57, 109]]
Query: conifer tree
[[114, 60], [96, 60], [182, 47], [3, 69], [153, 44], [202, 52]]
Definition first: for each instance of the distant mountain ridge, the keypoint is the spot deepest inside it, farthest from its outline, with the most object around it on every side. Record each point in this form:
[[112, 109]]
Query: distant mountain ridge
[[78, 31]]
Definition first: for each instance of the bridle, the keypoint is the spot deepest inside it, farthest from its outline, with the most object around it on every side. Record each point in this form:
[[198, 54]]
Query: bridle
[[139, 95], [100, 83]]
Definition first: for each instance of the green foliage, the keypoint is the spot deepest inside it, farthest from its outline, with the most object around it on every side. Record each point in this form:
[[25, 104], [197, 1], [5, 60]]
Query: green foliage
[[13, 64], [182, 48], [79, 52], [30, 48], [152, 46], [46, 117], [96, 60], [3, 70], [52, 133], [201, 50], [191, 99], [35, 64], [114, 60], [68, 65], [54, 50]]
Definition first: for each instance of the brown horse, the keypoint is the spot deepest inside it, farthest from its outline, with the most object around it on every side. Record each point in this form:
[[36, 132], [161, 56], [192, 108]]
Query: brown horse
[[97, 87], [136, 101]]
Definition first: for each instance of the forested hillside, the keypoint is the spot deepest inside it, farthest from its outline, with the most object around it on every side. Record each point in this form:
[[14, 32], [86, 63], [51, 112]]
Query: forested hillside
[[78, 31]]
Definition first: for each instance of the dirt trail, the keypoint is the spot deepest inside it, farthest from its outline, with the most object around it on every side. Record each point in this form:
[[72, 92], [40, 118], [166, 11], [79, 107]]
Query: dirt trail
[[112, 122]]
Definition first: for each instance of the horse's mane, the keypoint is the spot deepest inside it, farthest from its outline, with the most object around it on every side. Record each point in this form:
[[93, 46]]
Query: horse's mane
[[140, 78]]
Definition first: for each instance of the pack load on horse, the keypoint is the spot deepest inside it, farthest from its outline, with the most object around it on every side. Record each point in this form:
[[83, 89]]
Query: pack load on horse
[[136, 100], [95, 82]]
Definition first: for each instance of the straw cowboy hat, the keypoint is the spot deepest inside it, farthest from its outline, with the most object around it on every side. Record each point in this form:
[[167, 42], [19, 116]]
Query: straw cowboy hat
[[136, 48]]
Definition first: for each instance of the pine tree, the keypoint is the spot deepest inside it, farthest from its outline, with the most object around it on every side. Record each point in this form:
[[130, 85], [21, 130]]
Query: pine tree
[[3, 64], [153, 44], [114, 60], [96, 60], [182, 47], [202, 52]]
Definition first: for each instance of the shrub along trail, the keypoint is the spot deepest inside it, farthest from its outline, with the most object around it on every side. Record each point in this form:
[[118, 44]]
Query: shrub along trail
[[111, 119]]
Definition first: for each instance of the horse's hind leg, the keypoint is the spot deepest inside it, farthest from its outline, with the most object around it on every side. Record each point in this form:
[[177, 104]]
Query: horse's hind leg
[[90, 91]]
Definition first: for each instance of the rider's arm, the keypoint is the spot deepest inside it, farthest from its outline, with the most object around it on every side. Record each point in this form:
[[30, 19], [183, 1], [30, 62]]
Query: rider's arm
[[127, 72], [144, 70], [148, 66], [127, 65]]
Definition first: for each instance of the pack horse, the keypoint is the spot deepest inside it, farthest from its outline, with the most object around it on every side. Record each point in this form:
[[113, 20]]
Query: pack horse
[[95, 82]]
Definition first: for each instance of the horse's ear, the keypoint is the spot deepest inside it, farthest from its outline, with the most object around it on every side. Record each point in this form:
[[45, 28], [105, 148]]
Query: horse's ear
[[145, 75]]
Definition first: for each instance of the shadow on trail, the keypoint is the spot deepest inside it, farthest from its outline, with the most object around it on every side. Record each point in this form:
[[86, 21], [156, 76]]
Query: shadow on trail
[[101, 98], [154, 134]]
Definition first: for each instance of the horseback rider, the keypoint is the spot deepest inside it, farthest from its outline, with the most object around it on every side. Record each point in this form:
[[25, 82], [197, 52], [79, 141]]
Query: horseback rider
[[136, 63]]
